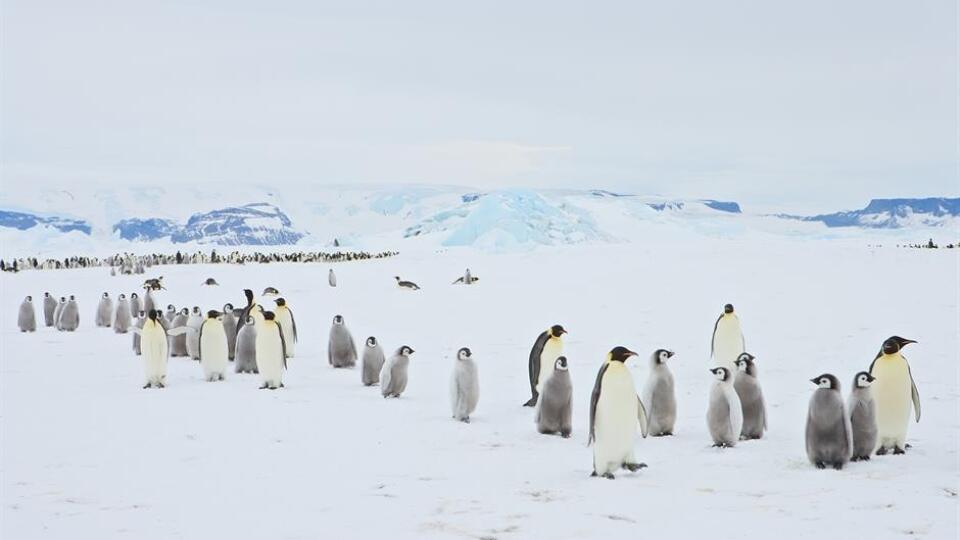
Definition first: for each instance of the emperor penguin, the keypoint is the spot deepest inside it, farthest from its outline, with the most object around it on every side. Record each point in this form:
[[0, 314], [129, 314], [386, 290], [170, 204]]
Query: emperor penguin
[[150, 300], [727, 342], [245, 360], [104, 311], [467, 278], [230, 329], [178, 344], [408, 285], [210, 282], [464, 386], [194, 322], [271, 358], [543, 356], [169, 316], [615, 410], [270, 291], [341, 351], [27, 316], [893, 392], [750, 394], [141, 321], [658, 395], [57, 311], [135, 305], [555, 406], [332, 278], [213, 347], [725, 414], [393, 376], [863, 417], [288, 325], [372, 362], [49, 306], [70, 315], [121, 322], [153, 344], [829, 439], [250, 310]]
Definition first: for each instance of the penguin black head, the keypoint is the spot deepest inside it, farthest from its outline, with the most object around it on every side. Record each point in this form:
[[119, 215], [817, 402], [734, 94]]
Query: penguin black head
[[249, 320], [213, 314], [406, 351], [63, 299], [227, 307], [280, 302], [893, 344], [184, 311], [660, 356], [270, 291], [557, 330], [123, 296], [134, 295], [29, 299], [826, 381], [338, 319], [106, 295], [171, 307], [249, 294], [268, 315], [721, 373], [396, 278], [620, 354], [371, 341], [863, 379], [71, 298], [561, 363], [464, 353], [153, 315], [728, 309], [141, 314], [196, 309], [210, 281], [745, 362], [46, 295]]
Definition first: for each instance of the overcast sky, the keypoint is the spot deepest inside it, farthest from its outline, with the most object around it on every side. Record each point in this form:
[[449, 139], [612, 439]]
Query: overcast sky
[[819, 104]]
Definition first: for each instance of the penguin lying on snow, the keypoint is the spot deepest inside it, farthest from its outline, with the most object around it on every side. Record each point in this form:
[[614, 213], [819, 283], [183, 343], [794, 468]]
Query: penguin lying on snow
[[409, 285], [615, 410], [210, 281], [467, 278], [829, 437]]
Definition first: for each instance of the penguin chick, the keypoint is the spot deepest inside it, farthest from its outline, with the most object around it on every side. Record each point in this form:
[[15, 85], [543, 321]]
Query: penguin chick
[[752, 404], [658, 395], [555, 405], [464, 386], [863, 417], [372, 362], [393, 376], [27, 316], [341, 350], [724, 415], [829, 440]]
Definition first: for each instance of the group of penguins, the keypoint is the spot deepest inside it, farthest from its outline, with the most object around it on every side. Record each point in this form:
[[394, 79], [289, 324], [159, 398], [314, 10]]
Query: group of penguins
[[874, 419]]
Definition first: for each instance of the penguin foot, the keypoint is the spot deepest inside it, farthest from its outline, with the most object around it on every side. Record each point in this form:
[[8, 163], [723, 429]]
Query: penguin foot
[[282, 386], [531, 402], [565, 434], [898, 451], [609, 476], [148, 385], [838, 466], [593, 474], [264, 386], [821, 465], [882, 451], [465, 419], [161, 385], [634, 467]]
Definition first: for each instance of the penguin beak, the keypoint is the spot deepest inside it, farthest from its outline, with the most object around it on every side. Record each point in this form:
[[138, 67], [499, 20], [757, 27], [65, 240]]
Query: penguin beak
[[870, 378], [907, 342], [815, 381], [669, 354]]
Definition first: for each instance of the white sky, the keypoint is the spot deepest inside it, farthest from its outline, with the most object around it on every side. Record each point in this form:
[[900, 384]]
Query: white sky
[[817, 104]]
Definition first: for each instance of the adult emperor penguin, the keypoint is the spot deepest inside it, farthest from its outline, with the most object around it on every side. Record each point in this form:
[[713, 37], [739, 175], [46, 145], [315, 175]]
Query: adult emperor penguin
[[70, 315], [555, 406], [727, 342], [57, 311], [543, 356], [393, 376], [270, 291], [230, 329], [153, 344], [141, 321], [194, 322], [245, 360], [104, 311], [464, 386], [250, 310], [750, 394], [893, 391], [178, 344], [372, 362], [27, 316], [271, 358], [863, 417], [288, 325], [829, 440], [135, 304], [658, 395], [467, 278], [408, 285], [615, 410], [341, 351], [49, 306], [725, 414], [121, 322], [213, 347], [332, 278]]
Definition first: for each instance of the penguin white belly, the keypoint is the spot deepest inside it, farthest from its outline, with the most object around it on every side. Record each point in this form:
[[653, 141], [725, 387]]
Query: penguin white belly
[[153, 347], [269, 355], [616, 423], [893, 398], [213, 347], [193, 338], [727, 343], [552, 349]]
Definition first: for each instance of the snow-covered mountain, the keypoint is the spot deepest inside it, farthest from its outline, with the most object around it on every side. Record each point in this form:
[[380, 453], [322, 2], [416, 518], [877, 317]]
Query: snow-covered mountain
[[23, 220], [894, 214], [257, 224]]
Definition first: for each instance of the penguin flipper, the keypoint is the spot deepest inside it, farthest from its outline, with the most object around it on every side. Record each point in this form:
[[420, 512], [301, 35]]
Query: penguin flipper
[[200, 342], [136, 330], [293, 324], [534, 364], [180, 330], [594, 399], [642, 417], [914, 393], [713, 336], [283, 344]]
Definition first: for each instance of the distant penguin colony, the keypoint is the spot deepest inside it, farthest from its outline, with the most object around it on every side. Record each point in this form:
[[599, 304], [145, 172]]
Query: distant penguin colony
[[873, 420]]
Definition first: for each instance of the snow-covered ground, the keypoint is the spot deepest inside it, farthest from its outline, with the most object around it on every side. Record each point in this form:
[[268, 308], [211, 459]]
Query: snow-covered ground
[[86, 453]]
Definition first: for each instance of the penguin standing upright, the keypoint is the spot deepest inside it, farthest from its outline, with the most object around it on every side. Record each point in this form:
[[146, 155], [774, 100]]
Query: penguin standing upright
[[153, 344], [271, 358], [615, 410], [213, 347], [658, 395], [725, 414], [27, 316], [250, 310], [178, 344], [57, 311], [863, 417], [194, 322], [104, 311], [829, 437], [727, 342], [288, 325], [121, 322], [464, 386], [555, 406], [49, 306], [135, 304], [230, 329], [169, 316], [341, 351], [332, 278], [141, 321], [393, 376], [894, 391], [70, 315], [372, 362], [750, 394], [245, 360], [150, 300], [546, 349]]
